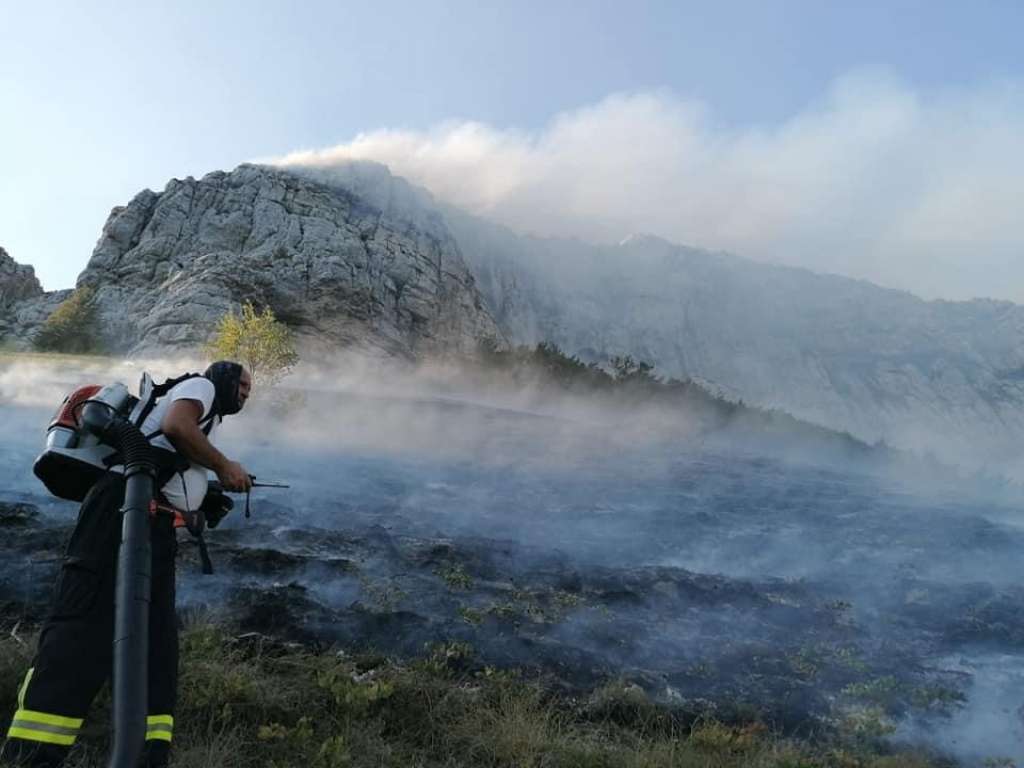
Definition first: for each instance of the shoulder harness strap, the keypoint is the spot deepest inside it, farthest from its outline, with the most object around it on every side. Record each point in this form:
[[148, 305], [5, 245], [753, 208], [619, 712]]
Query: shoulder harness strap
[[206, 425], [160, 390]]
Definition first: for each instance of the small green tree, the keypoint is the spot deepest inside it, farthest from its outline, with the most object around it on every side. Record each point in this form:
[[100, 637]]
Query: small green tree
[[257, 340], [626, 369], [73, 326]]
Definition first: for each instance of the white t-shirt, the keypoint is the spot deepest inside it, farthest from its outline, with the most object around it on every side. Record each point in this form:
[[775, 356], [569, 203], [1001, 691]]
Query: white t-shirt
[[188, 489]]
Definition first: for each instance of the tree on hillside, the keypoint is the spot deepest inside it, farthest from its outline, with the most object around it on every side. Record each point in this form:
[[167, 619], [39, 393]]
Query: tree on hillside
[[73, 327], [626, 369], [257, 340]]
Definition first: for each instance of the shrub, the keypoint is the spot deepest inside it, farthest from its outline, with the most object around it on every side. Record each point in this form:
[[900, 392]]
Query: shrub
[[73, 326], [258, 341], [629, 370]]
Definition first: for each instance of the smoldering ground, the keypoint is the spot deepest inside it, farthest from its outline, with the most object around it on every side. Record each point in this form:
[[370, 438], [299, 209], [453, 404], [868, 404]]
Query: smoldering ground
[[585, 545]]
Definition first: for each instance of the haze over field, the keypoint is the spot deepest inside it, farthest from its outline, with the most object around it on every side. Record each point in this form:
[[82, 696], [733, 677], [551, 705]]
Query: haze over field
[[586, 543], [468, 215]]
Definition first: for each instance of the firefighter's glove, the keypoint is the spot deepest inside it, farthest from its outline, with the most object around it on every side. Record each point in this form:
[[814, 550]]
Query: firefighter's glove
[[216, 505]]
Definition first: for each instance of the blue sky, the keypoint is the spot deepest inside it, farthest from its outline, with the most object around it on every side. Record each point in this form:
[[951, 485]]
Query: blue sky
[[100, 100]]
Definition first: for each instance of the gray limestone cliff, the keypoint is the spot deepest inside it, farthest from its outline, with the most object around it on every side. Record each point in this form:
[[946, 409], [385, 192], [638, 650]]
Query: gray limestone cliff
[[354, 257], [17, 282], [339, 269], [23, 304], [939, 376]]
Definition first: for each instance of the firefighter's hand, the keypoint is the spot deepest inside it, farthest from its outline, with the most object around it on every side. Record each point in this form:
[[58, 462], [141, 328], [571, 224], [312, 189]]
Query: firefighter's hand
[[234, 477], [216, 505]]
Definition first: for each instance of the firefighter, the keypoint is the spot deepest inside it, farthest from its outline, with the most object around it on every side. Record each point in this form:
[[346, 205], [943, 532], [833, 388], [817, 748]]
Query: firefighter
[[75, 652]]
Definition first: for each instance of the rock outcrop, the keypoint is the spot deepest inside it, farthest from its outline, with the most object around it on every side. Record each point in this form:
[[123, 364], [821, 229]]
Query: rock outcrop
[[23, 304], [341, 270], [17, 282], [353, 257], [940, 376]]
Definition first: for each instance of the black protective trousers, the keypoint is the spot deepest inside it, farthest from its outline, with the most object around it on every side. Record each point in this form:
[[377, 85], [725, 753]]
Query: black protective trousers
[[75, 654]]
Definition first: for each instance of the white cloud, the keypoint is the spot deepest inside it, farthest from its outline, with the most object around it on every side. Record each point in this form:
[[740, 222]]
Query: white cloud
[[912, 190]]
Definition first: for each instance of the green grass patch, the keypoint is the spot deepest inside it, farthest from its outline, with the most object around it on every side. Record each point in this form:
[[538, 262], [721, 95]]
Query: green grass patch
[[253, 702], [455, 577]]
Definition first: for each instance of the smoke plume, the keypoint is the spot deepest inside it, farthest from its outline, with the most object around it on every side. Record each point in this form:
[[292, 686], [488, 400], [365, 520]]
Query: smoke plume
[[876, 180]]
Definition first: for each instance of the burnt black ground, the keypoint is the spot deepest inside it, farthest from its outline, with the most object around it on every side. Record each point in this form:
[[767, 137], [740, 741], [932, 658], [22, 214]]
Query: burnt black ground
[[718, 580]]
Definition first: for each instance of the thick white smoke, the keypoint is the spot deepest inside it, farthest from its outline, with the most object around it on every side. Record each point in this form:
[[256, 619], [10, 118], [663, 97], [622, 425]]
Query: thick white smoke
[[876, 180]]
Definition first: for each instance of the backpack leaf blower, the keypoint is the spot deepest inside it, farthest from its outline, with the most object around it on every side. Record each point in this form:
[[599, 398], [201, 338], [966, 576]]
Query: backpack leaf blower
[[102, 419]]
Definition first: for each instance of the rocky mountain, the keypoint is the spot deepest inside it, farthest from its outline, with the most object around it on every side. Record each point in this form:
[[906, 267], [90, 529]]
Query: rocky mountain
[[17, 282], [940, 376], [354, 257], [340, 270], [23, 304]]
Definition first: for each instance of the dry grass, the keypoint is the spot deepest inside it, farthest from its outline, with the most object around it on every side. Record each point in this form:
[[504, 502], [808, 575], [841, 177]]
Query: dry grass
[[256, 703]]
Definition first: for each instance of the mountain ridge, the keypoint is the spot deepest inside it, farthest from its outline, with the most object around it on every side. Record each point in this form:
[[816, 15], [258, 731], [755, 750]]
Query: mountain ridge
[[880, 363], [168, 265]]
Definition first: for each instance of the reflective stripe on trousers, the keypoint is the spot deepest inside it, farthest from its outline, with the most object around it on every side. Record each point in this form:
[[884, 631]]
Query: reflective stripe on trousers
[[44, 727], [159, 727]]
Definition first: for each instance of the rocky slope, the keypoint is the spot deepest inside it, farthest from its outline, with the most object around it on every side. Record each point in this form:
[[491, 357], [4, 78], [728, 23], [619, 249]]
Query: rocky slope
[[23, 304], [352, 256], [933, 375], [338, 269], [17, 281]]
